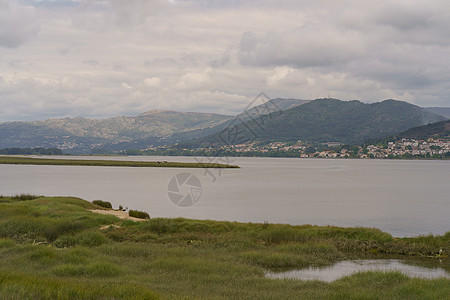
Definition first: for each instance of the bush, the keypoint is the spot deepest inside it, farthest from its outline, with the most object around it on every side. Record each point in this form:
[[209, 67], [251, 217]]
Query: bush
[[138, 214], [101, 203]]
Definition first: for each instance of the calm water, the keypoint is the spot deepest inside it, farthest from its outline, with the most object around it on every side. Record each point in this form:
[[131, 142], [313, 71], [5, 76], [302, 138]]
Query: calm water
[[348, 267], [404, 198]]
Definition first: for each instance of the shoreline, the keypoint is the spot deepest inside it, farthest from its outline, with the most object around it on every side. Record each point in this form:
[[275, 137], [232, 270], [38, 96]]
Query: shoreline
[[59, 247], [21, 160]]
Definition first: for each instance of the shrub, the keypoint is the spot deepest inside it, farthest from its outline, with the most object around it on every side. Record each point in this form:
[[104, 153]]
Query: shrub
[[138, 214], [101, 203]]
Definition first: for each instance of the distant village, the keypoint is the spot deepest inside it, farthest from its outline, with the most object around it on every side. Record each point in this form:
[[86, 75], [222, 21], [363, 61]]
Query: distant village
[[404, 148]]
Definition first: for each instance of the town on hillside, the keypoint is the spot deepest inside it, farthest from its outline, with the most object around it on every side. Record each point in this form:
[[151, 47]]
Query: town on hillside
[[402, 148]]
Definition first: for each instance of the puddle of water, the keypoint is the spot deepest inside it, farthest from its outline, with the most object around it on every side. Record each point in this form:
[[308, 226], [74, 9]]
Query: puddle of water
[[348, 267]]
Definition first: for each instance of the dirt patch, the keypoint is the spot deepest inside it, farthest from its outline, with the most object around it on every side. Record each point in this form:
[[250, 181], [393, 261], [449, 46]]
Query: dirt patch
[[118, 213]]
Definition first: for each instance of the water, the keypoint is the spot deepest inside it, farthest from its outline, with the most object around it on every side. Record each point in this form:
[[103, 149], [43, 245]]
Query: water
[[404, 198], [348, 267]]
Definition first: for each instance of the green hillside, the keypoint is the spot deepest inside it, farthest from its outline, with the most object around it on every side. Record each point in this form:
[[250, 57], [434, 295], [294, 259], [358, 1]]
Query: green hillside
[[329, 120], [434, 130]]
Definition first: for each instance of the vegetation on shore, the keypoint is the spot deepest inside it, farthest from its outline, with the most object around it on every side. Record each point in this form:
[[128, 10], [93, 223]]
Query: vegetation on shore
[[138, 214], [109, 163], [54, 247], [31, 151]]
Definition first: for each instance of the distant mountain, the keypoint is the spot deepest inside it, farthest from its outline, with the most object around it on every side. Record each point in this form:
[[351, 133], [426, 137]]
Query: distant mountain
[[82, 134], [443, 111], [321, 120], [273, 105], [328, 120]]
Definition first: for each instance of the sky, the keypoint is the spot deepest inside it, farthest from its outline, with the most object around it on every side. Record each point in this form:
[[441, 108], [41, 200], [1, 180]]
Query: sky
[[103, 58]]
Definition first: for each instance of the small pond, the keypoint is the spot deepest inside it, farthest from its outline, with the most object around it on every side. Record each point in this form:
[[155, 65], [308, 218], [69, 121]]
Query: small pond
[[348, 267]]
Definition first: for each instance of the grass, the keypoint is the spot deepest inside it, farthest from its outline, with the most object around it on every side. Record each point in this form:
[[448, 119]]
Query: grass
[[106, 163], [54, 247]]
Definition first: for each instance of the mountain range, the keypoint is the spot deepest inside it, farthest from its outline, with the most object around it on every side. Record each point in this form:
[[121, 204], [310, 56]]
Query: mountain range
[[82, 134], [327, 120], [320, 120]]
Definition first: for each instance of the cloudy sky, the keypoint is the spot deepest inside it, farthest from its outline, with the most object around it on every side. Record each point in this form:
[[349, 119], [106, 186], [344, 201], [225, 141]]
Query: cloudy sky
[[104, 58]]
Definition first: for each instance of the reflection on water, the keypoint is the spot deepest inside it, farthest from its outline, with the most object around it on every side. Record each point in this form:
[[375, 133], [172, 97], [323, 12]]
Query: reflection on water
[[348, 267]]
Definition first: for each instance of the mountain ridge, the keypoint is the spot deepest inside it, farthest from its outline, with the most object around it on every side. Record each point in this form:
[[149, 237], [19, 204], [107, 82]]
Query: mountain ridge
[[332, 120], [83, 134], [160, 127]]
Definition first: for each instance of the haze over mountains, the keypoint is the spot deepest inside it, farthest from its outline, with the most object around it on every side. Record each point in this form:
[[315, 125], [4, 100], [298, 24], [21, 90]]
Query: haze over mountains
[[320, 120]]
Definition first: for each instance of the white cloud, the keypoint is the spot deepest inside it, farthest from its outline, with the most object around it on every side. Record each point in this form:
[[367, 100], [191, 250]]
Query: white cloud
[[194, 80], [110, 57], [152, 82], [279, 73], [126, 86], [17, 24]]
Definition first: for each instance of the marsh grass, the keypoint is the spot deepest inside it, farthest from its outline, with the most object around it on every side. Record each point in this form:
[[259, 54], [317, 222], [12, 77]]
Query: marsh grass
[[53, 247], [25, 286], [106, 163]]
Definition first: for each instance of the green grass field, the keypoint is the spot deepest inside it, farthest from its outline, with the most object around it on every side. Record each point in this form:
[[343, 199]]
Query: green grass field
[[54, 248], [18, 160]]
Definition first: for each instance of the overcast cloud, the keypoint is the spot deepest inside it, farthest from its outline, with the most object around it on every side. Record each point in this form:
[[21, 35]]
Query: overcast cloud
[[106, 58]]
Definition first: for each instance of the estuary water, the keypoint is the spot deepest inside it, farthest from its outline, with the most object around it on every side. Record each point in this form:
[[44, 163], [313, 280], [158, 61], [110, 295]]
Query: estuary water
[[402, 197], [349, 267]]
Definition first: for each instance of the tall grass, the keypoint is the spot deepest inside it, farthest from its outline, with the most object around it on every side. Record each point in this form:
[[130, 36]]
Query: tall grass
[[25, 286], [54, 247]]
